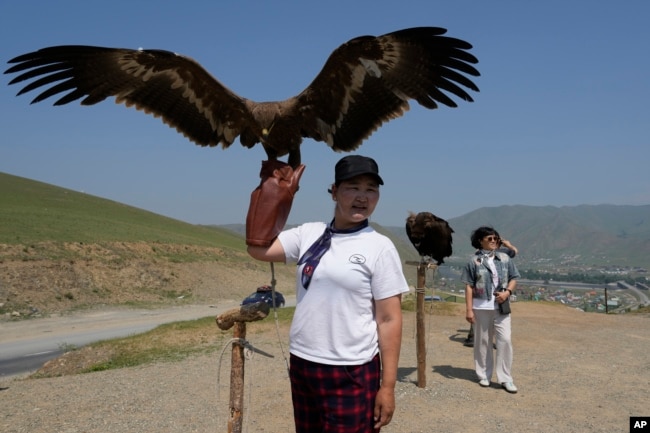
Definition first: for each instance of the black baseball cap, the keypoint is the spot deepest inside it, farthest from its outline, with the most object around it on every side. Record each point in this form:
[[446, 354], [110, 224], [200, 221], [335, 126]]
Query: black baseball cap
[[355, 165]]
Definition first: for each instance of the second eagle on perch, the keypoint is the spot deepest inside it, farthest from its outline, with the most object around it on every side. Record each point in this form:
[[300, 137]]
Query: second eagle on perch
[[430, 235], [364, 83]]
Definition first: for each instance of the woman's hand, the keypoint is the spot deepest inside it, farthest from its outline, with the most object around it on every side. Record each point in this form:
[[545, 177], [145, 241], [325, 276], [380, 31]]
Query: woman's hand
[[502, 296], [507, 244], [469, 316], [384, 406]]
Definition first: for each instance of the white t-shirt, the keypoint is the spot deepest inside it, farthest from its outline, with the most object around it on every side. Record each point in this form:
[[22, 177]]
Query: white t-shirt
[[491, 303], [334, 322]]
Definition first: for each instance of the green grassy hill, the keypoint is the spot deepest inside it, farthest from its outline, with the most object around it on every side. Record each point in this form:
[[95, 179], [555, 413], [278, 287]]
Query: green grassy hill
[[33, 212]]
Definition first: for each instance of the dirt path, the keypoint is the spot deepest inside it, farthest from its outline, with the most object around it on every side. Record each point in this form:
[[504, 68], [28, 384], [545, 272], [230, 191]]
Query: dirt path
[[61, 325], [576, 372]]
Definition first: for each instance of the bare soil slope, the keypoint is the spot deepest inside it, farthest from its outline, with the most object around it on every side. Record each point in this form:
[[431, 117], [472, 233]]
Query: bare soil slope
[[46, 279]]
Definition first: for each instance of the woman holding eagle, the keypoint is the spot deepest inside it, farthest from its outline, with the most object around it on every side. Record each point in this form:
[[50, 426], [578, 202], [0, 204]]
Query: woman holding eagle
[[364, 83], [346, 331]]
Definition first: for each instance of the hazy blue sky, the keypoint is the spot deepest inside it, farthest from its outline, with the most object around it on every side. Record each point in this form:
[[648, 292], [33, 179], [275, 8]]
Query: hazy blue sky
[[562, 117]]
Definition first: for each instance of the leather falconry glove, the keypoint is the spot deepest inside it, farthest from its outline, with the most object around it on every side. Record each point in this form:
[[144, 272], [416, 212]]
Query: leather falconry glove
[[271, 202]]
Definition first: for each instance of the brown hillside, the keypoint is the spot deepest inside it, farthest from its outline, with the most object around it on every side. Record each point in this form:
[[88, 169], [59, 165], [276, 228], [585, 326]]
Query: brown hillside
[[45, 279]]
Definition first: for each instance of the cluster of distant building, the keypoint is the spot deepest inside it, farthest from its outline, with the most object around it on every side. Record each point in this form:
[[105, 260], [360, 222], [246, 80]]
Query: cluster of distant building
[[618, 297]]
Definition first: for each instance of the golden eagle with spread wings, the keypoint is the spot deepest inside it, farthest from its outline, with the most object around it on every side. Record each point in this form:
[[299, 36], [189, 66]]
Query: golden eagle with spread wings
[[430, 235], [364, 83]]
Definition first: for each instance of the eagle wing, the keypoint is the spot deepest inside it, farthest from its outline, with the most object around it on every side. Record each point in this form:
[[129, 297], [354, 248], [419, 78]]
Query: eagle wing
[[369, 80], [164, 84]]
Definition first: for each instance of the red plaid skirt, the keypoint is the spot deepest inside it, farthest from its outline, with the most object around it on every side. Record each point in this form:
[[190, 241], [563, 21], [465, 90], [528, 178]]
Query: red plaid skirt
[[334, 398]]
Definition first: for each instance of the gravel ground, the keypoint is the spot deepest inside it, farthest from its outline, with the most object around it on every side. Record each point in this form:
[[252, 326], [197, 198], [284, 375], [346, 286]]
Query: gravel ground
[[576, 372]]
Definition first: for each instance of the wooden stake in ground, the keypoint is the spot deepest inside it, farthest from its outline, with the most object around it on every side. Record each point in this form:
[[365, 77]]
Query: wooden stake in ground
[[420, 333], [237, 318]]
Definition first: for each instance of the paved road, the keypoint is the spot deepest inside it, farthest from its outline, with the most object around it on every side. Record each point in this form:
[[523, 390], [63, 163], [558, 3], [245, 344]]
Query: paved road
[[26, 345]]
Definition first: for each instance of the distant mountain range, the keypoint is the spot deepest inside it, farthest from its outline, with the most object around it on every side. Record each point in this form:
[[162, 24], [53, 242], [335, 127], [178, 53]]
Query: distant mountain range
[[547, 236], [585, 235]]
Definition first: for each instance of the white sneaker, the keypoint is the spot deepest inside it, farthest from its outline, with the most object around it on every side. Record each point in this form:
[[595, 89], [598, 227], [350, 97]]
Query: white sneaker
[[484, 383], [510, 387]]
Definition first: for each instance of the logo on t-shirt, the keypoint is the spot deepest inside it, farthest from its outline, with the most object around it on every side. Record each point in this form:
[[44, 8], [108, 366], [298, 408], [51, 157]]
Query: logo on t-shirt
[[357, 259]]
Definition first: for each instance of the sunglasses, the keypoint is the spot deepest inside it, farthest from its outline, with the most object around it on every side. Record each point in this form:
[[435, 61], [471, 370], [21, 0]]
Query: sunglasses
[[491, 238]]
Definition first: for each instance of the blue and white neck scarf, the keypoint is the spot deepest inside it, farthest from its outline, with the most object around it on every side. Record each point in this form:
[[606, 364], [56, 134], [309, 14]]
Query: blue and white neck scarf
[[312, 256]]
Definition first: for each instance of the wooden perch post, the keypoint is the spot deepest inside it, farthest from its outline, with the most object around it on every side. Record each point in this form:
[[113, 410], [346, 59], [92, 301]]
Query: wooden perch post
[[237, 318], [420, 334]]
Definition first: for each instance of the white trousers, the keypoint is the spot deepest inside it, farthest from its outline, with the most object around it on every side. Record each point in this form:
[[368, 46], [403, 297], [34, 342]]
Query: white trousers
[[488, 325]]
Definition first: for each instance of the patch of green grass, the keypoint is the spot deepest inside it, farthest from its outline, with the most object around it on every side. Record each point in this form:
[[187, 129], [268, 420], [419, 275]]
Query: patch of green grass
[[166, 343], [170, 342], [285, 315], [409, 303], [67, 347], [35, 212]]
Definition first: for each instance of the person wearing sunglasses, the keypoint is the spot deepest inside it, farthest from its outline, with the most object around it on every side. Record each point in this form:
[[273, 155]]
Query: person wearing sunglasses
[[507, 247], [490, 277]]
